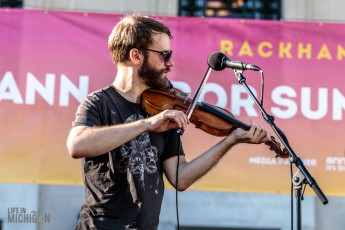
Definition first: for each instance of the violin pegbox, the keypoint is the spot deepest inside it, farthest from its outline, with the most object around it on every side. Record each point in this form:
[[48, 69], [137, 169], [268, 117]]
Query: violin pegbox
[[275, 147]]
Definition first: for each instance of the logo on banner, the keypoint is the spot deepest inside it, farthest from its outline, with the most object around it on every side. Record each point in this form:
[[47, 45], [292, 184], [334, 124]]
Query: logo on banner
[[335, 164], [21, 215]]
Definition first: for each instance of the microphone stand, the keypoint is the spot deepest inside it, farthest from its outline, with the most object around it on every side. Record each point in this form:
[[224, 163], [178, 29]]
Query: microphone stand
[[302, 176]]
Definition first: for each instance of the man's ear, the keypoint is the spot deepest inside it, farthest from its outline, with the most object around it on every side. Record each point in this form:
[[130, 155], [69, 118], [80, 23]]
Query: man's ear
[[135, 56]]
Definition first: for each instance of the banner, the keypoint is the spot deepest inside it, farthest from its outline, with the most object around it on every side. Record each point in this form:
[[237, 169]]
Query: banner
[[51, 60]]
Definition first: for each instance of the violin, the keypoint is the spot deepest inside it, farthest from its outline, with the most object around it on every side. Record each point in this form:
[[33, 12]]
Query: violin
[[211, 119]]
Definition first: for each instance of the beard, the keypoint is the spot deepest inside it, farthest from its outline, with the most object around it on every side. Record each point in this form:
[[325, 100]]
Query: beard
[[153, 77]]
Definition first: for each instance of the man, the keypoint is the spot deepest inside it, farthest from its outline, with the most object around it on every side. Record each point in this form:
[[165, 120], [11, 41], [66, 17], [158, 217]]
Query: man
[[124, 151]]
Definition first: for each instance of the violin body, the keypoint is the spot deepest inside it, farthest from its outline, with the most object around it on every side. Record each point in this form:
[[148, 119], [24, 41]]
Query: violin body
[[156, 101], [209, 118]]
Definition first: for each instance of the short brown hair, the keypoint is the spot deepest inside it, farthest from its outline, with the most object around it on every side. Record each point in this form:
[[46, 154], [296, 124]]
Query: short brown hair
[[133, 31]]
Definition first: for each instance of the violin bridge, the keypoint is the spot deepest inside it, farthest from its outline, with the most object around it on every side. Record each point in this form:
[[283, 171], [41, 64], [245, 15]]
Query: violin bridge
[[185, 100]]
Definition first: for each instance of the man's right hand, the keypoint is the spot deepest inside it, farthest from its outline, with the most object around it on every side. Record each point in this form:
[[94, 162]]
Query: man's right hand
[[166, 120]]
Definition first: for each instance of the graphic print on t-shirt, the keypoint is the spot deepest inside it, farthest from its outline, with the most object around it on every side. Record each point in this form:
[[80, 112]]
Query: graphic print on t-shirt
[[138, 156]]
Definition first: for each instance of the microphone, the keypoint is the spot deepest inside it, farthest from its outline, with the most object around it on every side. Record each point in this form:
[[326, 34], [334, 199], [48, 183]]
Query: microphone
[[218, 61]]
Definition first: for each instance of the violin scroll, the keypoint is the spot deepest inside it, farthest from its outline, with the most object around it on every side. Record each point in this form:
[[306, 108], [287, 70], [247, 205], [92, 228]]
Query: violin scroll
[[275, 147]]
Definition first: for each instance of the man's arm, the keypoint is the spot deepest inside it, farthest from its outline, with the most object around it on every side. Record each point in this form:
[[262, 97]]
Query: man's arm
[[189, 172], [86, 141]]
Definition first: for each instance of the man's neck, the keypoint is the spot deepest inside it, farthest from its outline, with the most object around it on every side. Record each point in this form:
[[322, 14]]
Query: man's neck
[[128, 85]]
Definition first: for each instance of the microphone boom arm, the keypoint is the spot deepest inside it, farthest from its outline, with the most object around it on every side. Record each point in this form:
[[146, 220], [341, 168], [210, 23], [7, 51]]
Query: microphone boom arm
[[197, 93], [196, 96]]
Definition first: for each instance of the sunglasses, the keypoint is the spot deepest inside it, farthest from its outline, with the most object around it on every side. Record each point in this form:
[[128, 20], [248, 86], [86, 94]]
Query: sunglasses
[[165, 54]]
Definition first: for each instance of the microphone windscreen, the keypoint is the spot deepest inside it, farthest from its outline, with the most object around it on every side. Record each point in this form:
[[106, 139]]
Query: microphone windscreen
[[215, 61]]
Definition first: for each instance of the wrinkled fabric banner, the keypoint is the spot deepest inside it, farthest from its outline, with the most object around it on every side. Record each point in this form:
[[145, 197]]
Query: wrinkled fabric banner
[[51, 60]]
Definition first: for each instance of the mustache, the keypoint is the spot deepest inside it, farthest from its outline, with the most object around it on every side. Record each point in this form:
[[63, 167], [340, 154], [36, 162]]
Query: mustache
[[166, 70]]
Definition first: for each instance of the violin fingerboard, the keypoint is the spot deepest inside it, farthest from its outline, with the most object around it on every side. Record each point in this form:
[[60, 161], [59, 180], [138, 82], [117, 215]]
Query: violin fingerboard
[[220, 113]]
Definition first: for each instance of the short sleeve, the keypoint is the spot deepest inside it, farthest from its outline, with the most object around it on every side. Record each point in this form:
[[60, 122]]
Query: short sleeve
[[88, 112]]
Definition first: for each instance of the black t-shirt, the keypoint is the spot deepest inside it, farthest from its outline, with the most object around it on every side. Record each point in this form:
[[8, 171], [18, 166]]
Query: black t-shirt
[[123, 188]]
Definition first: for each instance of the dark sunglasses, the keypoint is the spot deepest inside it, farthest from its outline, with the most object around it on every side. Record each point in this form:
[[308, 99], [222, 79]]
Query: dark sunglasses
[[166, 54]]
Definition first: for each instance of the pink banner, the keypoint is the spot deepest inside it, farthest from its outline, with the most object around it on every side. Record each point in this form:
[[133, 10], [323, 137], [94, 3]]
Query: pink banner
[[51, 60]]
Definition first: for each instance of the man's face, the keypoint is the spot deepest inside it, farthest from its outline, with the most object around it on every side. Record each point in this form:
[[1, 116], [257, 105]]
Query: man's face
[[153, 77], [154, 69]]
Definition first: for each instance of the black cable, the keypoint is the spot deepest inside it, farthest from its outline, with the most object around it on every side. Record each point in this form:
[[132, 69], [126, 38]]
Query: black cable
[[291, 195], [176, 184], [291, 189]]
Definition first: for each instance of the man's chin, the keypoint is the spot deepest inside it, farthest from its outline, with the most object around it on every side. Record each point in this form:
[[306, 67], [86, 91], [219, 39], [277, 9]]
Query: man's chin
[[166, 83]]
